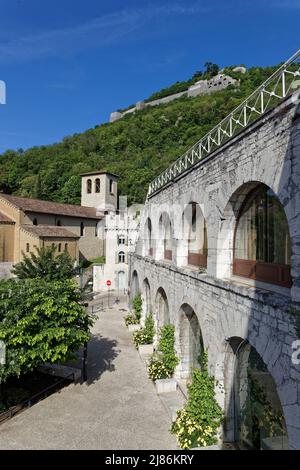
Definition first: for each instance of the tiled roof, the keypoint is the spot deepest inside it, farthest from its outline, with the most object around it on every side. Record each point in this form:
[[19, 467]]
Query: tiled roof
[[48, 207], [6, 220], [49, 231]]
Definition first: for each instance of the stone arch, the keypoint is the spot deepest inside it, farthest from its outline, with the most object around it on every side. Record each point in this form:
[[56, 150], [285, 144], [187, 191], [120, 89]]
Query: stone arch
[[164, 249], [250, 390], [135, 286], [146, 299], [192, 242], [162, 312], [190, 341], [228, 222], [148, 238]]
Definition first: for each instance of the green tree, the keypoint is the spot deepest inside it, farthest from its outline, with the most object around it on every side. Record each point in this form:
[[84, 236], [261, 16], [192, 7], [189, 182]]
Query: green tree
[[40, 322], [45, 264]]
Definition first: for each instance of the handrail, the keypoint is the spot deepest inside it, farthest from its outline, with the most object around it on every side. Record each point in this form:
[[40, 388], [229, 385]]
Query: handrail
[[278, 86]]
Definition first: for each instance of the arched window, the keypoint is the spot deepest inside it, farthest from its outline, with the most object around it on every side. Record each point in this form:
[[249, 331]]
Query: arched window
[[27, 247], [197, 235], [66, 247], [89, 186], [111, 186], [262, 247], [58, 223], [149, 240], [121, 257], [82, 229], [59, 247], [35, 222], [97, 185]]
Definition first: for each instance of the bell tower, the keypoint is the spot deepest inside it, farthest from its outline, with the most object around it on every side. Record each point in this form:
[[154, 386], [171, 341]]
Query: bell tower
[[100, 190]]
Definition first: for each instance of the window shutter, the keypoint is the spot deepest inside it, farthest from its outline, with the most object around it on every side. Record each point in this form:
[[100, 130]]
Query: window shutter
[[117, 257], [126, 258]]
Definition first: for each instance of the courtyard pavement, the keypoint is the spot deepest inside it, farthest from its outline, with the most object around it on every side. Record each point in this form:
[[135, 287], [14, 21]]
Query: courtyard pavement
[[117, 408]]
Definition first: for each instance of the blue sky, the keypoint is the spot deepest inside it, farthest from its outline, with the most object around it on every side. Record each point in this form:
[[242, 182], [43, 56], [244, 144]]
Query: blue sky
[[68, 63]]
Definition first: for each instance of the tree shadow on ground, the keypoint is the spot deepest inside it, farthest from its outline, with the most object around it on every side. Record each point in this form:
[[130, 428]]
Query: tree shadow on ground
[[102, 352]]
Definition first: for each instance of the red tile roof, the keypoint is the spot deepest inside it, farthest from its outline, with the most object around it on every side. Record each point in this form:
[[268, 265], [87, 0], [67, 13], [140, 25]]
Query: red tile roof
[[6, 220], [50, 231], [48, 207]]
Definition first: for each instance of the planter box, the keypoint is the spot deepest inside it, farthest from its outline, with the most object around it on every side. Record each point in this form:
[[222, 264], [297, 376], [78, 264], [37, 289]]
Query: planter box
[[166, 385], [145, 349], [134, 327]]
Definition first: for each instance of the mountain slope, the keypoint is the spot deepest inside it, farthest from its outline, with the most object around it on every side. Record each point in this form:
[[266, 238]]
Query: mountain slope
[[137, 147]]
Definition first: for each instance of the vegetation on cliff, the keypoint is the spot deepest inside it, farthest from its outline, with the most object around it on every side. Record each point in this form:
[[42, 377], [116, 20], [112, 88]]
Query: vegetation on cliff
[[137, 147]]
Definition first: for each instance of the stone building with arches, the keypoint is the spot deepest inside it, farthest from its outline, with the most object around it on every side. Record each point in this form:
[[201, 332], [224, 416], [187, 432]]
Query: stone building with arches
[[218, 256]]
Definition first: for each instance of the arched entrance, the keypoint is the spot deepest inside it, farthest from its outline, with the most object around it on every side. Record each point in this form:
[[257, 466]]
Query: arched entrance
[[146, 299], [162, 308], [254, 415], [134, 285], [190, 341]]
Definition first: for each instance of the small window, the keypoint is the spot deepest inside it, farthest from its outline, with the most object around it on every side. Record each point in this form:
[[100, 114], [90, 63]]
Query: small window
[[66, 247], [82, 229], [89, 186], [35, 222], [121, 240], [58, 223], [59, 247], [121, 257], [96, 230], [97, 185], [111, 186], [27, 247]]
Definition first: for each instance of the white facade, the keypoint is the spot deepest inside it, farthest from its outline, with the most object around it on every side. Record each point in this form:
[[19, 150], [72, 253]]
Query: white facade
[[120, 233]]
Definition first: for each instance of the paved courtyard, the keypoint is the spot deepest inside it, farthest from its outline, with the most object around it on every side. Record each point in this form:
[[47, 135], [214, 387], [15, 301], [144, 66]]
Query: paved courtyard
[[116, 409]]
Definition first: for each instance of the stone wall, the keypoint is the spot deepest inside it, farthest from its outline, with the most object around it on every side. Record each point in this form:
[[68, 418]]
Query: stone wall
[[202, 87], [227, 306]]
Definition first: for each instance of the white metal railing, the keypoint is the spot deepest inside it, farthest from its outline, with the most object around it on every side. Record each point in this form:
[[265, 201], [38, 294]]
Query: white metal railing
[[279, 85]]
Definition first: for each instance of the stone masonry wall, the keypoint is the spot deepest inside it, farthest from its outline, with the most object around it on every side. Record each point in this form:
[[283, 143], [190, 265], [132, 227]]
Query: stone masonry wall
[[226, 306]]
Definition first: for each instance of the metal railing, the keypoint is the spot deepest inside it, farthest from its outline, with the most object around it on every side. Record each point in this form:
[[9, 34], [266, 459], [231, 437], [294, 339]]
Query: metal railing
[[57, 385], [279, 85]]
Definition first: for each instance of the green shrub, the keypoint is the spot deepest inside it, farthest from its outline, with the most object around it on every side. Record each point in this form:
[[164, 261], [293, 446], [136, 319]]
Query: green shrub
[[197, 423], [137, 306], [131, 319], [144, 335], [163, 363]]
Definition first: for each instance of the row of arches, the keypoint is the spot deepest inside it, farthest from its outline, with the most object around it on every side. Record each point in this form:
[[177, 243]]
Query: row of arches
[[254, 225], [254, 417]]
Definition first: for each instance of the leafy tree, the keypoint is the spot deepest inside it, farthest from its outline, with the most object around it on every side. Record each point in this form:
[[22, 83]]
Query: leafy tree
[[40, 322], [211, 69], [45, 264]]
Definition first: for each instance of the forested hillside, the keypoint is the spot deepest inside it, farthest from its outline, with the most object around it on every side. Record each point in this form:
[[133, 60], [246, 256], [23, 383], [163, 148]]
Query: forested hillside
[[136, 147]]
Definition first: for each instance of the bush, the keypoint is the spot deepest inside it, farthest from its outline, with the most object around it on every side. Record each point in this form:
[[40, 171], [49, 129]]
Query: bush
[[133, 318], [197, 423], [163, 363], [137, 306], [145, 335]]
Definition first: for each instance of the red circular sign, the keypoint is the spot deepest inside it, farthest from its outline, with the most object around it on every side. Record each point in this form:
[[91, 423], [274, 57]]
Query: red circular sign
[[108, 283]]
